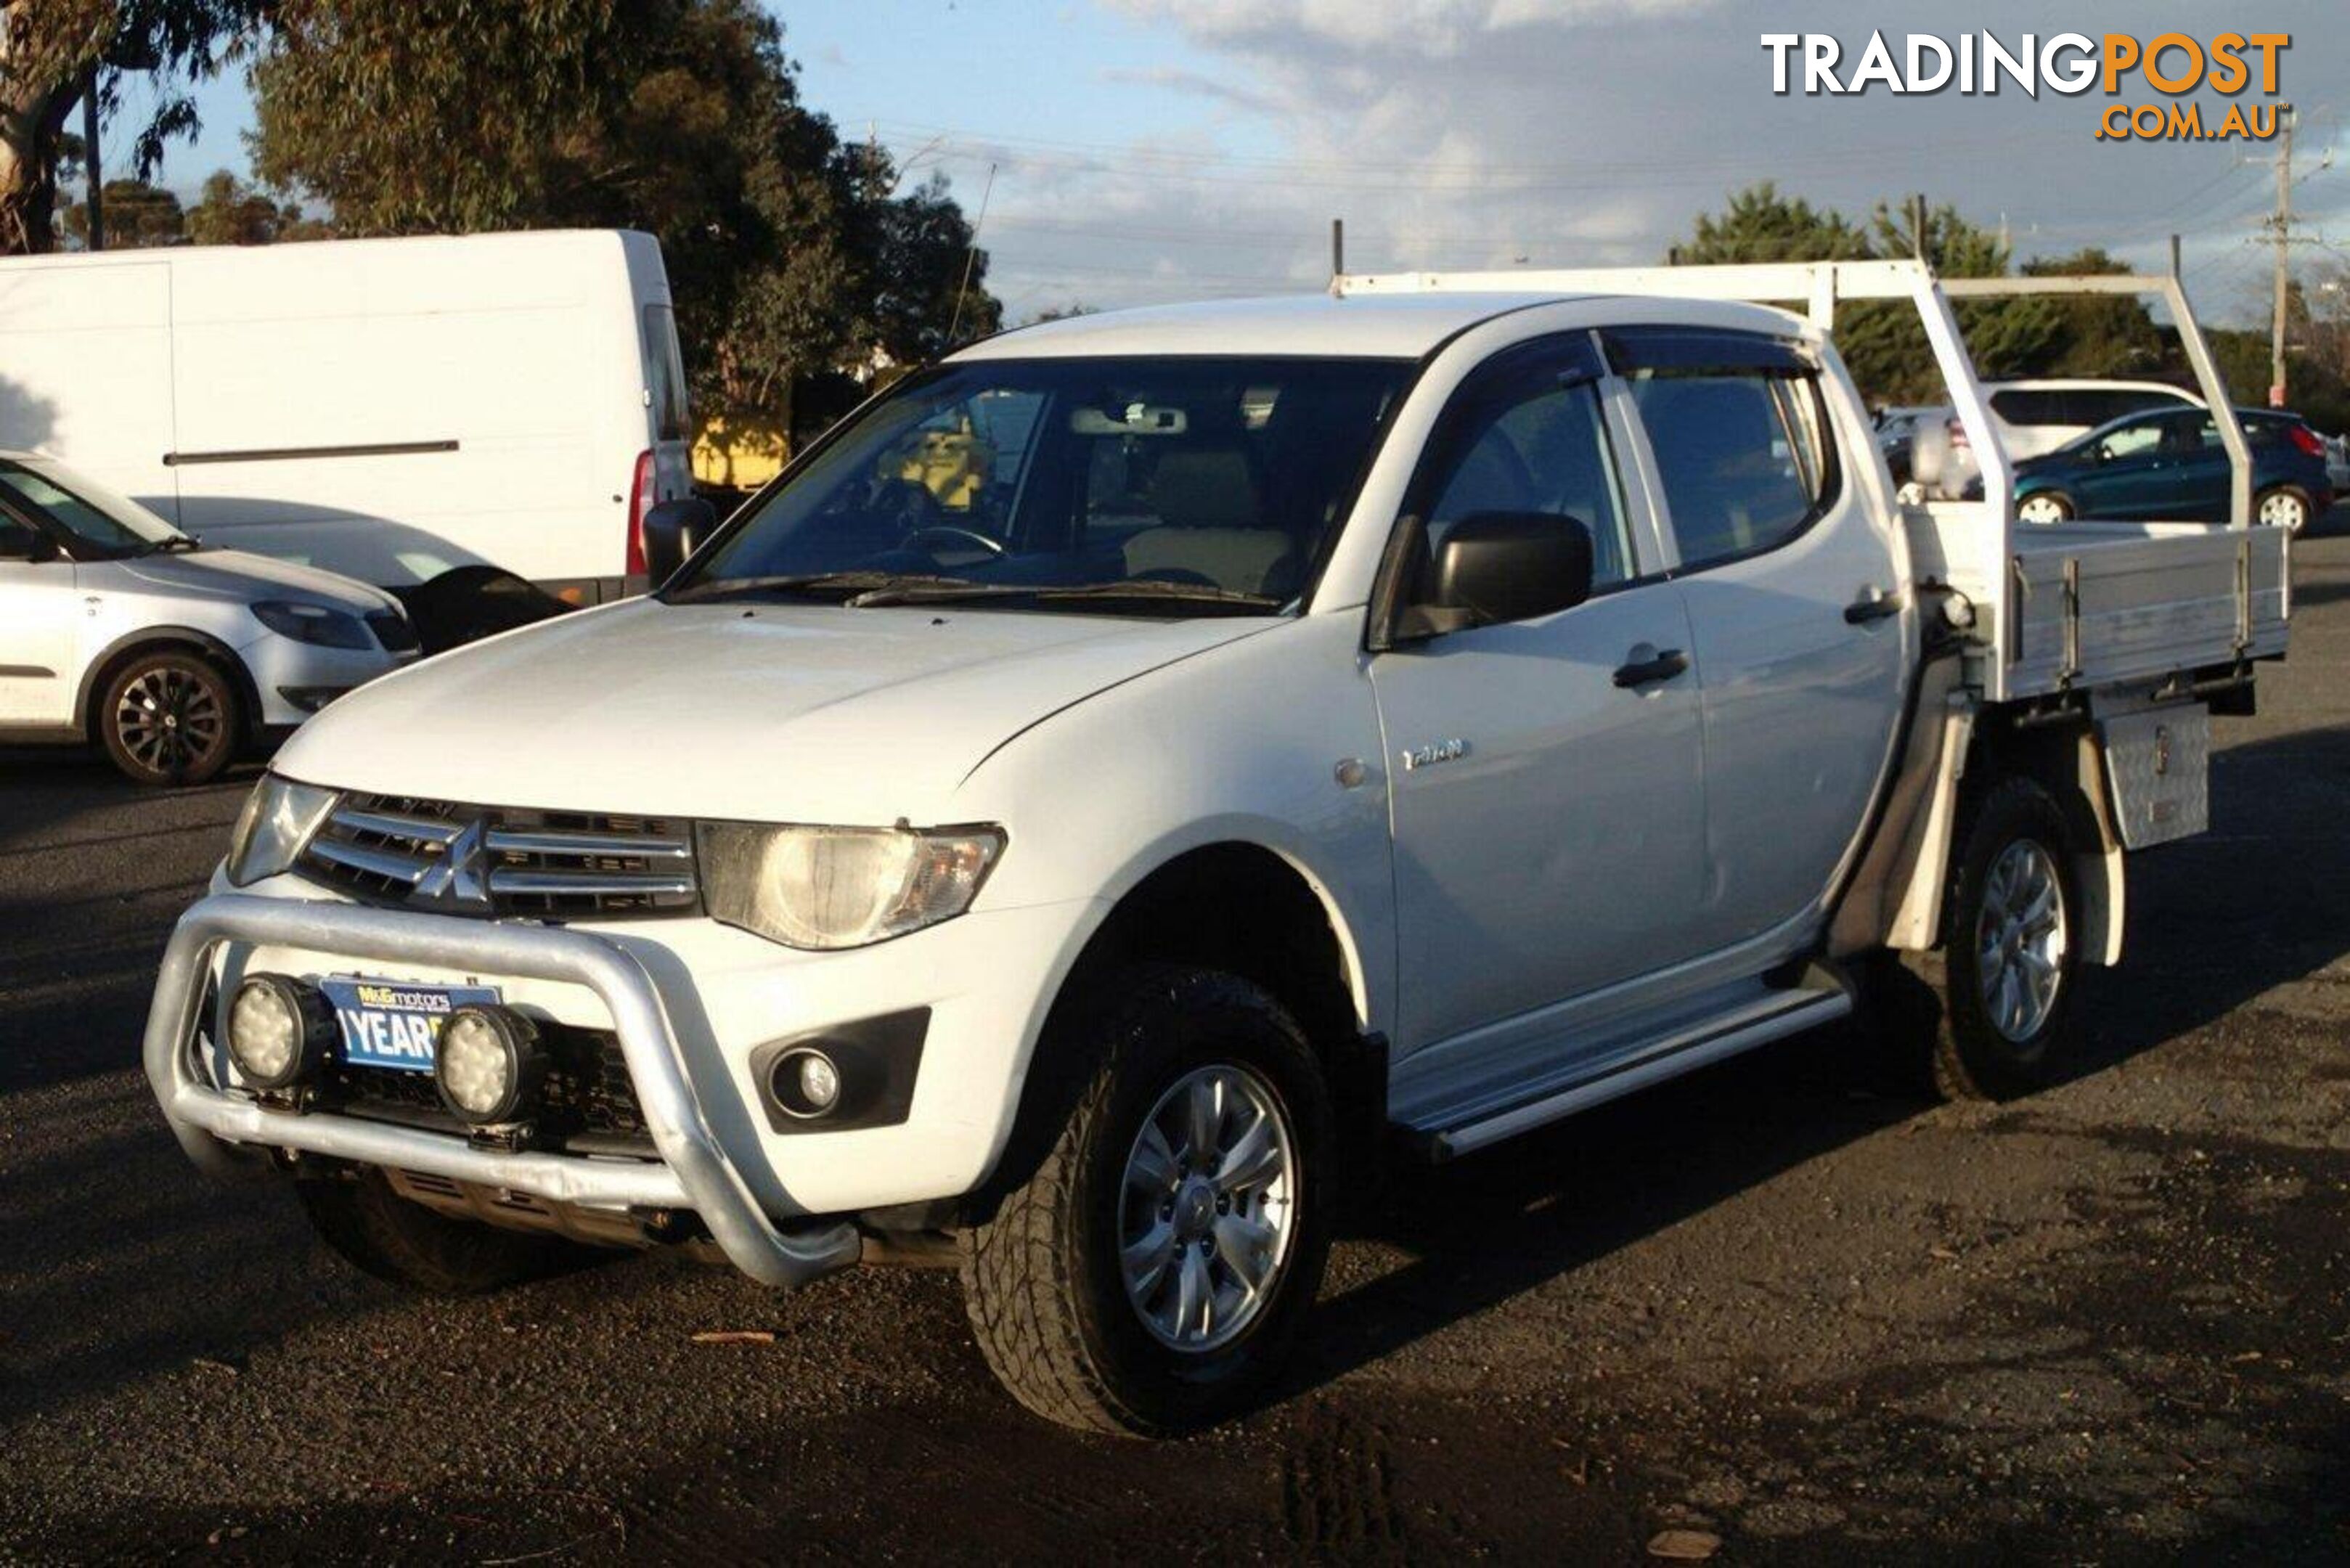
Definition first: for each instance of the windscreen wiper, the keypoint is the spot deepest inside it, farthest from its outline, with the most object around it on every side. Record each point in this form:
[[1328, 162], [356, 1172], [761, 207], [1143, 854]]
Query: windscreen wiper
[[172, 546], [814, 584], [1151, 591]]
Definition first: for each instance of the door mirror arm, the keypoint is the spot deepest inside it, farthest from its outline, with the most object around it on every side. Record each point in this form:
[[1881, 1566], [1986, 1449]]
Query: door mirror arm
[[1416, 624], [1392, 591]]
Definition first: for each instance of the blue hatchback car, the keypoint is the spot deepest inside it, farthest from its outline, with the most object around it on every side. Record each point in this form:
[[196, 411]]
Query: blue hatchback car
[[2169, 464]]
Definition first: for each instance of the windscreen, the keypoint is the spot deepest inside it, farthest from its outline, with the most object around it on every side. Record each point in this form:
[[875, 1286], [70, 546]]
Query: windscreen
[[95, 516], [1220, 476]]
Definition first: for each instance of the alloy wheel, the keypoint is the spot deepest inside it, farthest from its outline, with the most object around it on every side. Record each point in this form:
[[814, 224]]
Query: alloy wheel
[[2284, 509], [1208, 1206], [2021, 939], [170, 719]]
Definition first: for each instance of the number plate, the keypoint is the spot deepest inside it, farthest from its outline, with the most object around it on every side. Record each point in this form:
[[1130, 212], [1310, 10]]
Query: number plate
[[390, 1024]]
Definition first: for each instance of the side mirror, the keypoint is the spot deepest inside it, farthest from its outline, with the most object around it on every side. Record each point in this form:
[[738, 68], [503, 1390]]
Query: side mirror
[[1498, 567], [674, 530]]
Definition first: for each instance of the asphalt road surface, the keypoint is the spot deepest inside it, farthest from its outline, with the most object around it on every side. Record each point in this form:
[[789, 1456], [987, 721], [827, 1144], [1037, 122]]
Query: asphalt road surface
[[2107, 1324]]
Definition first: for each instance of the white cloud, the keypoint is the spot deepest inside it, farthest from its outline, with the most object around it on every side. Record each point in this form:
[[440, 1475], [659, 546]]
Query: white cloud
[[1443, 26], [1472, 133]]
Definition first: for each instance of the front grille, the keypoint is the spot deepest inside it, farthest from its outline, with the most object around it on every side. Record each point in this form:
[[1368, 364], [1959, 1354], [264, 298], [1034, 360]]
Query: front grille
[[504, 860], [393, 630], [587, 1105]]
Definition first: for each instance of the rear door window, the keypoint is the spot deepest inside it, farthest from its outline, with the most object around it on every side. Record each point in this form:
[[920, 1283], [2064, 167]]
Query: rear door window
[[2191, 434], [1740, 433], [665, 375]]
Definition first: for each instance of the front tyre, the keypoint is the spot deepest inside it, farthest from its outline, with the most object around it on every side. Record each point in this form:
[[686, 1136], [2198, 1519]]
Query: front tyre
[[1150, 1274], [2046, 508], [1992, 1006], [170, 718]]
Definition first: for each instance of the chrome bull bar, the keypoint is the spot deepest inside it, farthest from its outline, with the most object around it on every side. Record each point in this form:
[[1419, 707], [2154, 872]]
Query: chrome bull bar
[[693, 1171]]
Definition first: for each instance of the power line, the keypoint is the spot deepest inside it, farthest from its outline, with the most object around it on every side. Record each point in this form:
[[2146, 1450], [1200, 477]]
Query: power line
[[1432, 179], [1210, 231], [987, 142]]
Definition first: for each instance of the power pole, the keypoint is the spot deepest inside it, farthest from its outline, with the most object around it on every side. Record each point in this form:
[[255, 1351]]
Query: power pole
[[970, 256], [2284, 223], [89, 163]]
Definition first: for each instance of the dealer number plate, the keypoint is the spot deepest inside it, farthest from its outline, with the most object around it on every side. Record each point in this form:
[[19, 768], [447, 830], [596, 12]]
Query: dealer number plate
[[390, 1024]]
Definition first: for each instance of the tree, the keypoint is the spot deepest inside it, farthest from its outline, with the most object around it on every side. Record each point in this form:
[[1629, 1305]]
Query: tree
[[1882, 341], [789, 254], [2006, 337], [2102, 334], [232, 213], [1761, 225], [138, 216], [54, 53]]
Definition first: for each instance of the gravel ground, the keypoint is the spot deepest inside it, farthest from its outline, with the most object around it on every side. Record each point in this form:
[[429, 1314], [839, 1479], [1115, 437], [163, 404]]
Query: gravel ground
[[2107, 1324]]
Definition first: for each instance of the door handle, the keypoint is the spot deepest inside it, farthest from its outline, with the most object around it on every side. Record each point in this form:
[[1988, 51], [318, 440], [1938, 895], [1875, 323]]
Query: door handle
[[1649, 670], [1875, 604]]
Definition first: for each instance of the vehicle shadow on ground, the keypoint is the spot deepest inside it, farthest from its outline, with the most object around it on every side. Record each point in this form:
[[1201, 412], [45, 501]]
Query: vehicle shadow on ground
[[93, 872], [2213, 923]]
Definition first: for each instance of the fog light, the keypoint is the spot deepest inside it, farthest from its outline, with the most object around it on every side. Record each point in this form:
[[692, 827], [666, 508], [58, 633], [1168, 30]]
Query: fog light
[[310, 698], [806, 1083], [489, 1065], [278, 1031]]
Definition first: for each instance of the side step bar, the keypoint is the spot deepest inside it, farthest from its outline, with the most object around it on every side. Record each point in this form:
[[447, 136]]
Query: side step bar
[[1742, 1028]]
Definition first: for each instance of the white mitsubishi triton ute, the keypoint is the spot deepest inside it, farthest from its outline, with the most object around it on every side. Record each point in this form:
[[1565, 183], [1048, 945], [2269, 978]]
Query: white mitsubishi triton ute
[[1136, 773]]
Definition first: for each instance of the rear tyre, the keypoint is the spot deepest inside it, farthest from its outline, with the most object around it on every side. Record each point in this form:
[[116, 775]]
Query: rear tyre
[[384, 1234], [1990, 1010], [1150, 1275], [170, 718], [2046, 507], [2285, 508]]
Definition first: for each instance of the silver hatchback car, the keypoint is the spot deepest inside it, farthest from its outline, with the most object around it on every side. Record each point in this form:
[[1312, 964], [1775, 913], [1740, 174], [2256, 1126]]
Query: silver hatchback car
[[116, 628]]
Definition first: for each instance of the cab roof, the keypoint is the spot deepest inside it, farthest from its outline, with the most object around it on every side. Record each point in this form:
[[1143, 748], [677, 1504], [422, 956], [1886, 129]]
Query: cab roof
[[1389, 326]]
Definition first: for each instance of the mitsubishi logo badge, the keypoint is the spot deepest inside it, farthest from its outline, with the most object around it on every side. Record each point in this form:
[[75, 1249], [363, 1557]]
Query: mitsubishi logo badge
[[459, 878]]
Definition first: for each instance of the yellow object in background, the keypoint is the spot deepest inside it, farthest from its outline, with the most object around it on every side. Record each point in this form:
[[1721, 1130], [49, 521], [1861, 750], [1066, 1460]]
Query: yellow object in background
[[951, 465], [741, 459]]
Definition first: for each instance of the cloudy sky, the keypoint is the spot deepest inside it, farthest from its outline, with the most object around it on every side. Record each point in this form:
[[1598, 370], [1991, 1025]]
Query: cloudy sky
[[1148, 150]]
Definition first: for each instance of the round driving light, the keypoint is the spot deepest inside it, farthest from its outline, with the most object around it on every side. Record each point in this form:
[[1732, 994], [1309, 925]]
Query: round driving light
[[278, 1031], [806, 1083], [819, 1081], [489, 1065]]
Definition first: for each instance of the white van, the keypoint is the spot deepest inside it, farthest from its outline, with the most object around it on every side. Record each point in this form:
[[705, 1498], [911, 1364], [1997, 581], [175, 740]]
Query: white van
[[385, 408]]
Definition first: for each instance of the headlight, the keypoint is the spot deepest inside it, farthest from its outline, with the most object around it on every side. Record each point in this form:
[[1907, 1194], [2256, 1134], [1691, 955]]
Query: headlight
[[841, 886], [278, 818], [314, 624]]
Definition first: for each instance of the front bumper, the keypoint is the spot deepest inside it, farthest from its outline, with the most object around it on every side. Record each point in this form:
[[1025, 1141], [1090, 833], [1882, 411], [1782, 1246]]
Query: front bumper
[[694, 1170], [281, 666]]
